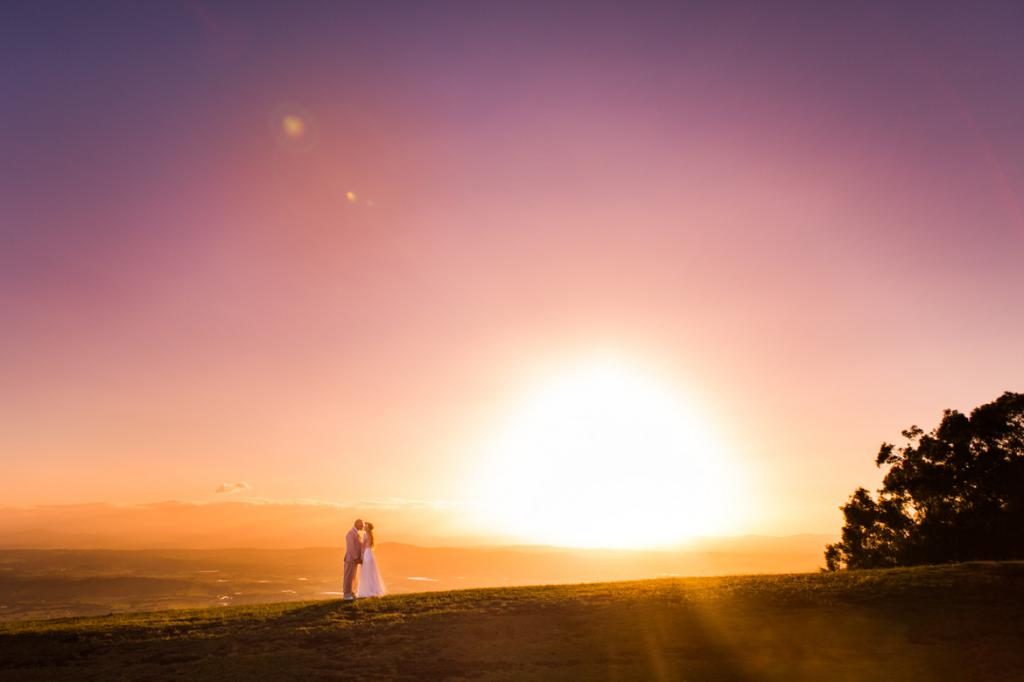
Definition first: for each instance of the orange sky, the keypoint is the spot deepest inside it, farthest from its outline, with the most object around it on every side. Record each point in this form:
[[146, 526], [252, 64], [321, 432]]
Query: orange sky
[[334, 262]]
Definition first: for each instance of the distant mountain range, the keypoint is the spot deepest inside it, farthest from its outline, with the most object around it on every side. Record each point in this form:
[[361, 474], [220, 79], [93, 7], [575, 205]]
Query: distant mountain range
[[286, 525], [38, 583]]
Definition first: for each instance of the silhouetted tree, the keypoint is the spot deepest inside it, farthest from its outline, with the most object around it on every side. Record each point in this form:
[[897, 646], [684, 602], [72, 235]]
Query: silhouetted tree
[[953, 494]]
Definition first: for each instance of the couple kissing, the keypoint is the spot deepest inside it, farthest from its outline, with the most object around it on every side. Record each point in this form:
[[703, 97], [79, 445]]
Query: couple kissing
[[359, 544]]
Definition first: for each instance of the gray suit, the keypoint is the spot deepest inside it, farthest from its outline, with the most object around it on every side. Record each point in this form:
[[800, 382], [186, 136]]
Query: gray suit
[[353, 556]]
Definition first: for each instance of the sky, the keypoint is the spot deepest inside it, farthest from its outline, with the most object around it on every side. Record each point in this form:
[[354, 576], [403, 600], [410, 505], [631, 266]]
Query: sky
[[333, 252]]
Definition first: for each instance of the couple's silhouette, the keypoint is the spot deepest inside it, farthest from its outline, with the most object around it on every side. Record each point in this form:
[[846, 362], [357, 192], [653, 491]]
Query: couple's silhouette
[[359, 552]]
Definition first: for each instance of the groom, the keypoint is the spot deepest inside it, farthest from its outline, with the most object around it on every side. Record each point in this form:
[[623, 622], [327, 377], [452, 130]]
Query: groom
[[353, 557]]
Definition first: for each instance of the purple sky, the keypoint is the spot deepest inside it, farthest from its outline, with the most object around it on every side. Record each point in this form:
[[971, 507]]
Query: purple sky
[[809, 214]]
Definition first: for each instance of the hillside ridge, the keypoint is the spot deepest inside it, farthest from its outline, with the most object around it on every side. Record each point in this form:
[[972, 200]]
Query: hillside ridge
[[935, 622]]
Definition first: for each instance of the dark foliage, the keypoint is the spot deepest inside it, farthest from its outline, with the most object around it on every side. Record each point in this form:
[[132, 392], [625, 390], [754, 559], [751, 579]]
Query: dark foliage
[[953, 494]]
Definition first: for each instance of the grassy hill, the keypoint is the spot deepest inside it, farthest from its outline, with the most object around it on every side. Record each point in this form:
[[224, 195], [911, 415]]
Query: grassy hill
[[961, 622]]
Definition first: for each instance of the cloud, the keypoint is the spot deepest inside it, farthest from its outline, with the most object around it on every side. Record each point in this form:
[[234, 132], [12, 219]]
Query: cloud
[[230, 488], [237, 519], [391, 503]]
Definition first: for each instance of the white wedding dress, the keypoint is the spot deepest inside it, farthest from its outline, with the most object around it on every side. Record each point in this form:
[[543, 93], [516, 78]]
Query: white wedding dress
[[370, 583]]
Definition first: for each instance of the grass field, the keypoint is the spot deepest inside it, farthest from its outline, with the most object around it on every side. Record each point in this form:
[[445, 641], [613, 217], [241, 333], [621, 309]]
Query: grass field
[[961, 622]]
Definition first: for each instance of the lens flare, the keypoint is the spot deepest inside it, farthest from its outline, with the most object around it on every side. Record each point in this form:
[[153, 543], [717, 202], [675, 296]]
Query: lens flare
[[293, 126]]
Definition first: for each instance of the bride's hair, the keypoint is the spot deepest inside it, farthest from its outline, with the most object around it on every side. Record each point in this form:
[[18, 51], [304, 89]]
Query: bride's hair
[[369, 532]]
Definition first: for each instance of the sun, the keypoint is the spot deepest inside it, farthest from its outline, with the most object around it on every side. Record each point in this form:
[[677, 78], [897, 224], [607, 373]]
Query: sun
[[606, 455]]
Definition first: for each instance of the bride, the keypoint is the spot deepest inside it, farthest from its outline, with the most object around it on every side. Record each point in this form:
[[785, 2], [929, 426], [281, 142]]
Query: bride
[[370, 583]]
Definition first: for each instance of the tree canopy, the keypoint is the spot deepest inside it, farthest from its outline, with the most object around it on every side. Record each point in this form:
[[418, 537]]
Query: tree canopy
[[955, 493]]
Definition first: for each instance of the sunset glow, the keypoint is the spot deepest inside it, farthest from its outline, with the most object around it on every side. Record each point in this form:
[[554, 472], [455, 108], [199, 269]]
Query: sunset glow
[[512, 339], [359, 256], [603, 455]]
